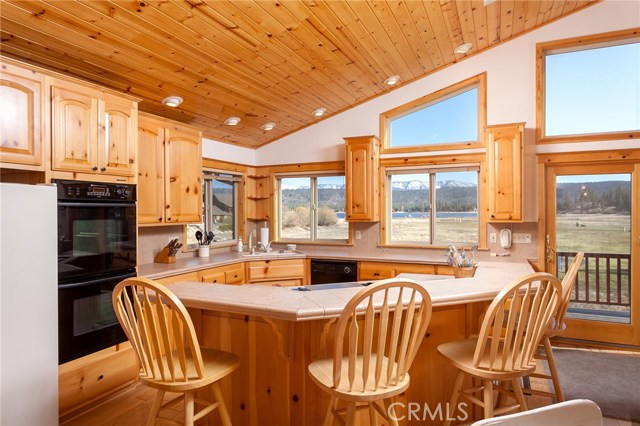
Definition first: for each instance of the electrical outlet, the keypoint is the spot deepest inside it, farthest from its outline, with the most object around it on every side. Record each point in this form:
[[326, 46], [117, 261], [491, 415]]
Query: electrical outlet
[[493, 237], [522, 238], [358, 235]]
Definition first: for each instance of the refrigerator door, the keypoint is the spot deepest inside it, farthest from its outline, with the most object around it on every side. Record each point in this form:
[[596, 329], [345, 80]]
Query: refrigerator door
[[28, 305]]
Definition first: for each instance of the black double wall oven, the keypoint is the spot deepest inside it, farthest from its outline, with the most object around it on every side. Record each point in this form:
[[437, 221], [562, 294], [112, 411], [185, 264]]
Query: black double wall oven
[[96, 250]]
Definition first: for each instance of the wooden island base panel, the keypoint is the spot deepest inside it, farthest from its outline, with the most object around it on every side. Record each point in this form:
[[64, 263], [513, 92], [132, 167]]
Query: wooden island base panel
[[278, 331]]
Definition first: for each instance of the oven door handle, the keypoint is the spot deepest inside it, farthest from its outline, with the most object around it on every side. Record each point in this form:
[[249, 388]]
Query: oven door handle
[[97, 281], [92, 204]]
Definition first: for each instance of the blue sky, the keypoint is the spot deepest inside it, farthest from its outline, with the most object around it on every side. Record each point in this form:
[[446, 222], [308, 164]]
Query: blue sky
[[593, 178], [593, 91]]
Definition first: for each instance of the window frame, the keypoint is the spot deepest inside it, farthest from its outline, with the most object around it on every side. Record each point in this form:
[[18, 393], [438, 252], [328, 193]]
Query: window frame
[[574, 45], [313, 212], [478, 81], [237, 178], [431, 171]]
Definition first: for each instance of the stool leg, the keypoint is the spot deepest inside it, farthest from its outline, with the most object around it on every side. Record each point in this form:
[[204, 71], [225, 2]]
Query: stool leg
[[453, 403], [517, 391], [487, 397], [155, 408], [351, 414], [553, 371], [391, 412], [188, 408], [328, 418], [222, 408], [373, 415]]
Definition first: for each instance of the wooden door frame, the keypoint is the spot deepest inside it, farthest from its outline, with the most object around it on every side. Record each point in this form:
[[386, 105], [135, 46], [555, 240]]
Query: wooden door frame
[[625, 161]]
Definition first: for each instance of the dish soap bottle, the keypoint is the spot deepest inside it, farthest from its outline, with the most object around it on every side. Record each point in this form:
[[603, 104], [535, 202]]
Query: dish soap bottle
[[240, 247]]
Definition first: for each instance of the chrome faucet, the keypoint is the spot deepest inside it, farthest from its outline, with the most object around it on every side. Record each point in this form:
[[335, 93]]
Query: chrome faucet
[[266, 248]]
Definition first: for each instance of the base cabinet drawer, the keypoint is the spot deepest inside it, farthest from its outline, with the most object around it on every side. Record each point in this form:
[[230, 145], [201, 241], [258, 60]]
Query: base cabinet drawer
[[290, 282], [84, 380], [384, 270], [274, 269]]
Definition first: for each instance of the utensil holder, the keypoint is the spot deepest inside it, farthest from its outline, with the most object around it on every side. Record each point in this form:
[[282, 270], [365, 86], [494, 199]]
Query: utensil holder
[[203, 251]]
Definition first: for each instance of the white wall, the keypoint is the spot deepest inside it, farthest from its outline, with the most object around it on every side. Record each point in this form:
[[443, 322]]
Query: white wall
[[511, 83], [228, 152]]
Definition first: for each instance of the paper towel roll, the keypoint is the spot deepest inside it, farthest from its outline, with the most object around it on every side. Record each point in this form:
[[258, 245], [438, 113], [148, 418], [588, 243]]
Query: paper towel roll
[[264, 236]]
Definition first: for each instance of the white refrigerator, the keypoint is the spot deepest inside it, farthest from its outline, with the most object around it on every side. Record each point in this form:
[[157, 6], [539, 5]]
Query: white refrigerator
[[28, 305]]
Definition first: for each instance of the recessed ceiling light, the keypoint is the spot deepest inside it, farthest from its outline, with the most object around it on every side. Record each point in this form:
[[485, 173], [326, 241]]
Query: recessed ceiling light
[[319, 112], [394, 79], [463, 48], [232, 121], [268, 126], [172, 101]]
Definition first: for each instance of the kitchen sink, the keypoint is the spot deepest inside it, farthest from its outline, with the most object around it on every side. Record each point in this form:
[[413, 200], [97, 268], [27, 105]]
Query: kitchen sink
[[274, 253]]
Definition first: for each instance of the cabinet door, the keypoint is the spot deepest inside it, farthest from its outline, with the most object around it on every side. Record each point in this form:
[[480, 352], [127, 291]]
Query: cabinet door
[[150, 171], [117, 137], [183, 175], [504, 152], [235, 274], [361, 171], [213, 276], [75, 128], [21, 138]]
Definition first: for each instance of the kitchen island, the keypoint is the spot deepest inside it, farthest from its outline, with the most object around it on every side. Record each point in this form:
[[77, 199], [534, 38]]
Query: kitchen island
[[278, 331]]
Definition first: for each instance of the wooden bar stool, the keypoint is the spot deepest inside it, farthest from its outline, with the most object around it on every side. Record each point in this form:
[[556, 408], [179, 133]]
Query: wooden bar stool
[[557, 327], [171, 360], [379, 352], [505, 347]]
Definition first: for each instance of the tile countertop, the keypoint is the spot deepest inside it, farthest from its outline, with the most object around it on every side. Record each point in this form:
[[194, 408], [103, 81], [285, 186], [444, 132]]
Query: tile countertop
[[182, 266], [287, 304]]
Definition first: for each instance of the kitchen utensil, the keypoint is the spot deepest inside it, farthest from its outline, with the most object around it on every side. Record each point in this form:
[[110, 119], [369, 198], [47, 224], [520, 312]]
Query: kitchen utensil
[[199, 237], [210, 237]]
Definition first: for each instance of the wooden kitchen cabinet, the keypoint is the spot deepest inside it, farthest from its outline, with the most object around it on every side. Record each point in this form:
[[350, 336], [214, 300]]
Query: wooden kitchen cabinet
[[284, 272], [21, 117], [93, 377], [93, 132], [384, 270], [505, 168], [229, 274], [362, 181], [169, 173]]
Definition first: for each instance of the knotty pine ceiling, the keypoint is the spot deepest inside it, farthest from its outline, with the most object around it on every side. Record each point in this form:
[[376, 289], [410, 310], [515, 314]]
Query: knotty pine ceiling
[[262, 61]]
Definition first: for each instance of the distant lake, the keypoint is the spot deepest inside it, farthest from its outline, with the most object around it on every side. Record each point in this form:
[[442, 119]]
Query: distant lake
[[402, 215]]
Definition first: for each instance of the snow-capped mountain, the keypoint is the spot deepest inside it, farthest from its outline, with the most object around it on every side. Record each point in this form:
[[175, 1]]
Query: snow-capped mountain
[[454, 184]]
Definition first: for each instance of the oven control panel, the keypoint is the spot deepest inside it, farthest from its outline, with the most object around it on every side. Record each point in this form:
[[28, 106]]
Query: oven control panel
[[80, 190]]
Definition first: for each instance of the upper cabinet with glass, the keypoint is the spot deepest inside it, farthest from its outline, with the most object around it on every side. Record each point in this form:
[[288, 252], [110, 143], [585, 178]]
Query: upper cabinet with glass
[[451, 118], [589, 88]]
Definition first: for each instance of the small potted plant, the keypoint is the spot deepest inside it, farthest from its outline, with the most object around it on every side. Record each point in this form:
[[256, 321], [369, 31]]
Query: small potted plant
[[462, 261]]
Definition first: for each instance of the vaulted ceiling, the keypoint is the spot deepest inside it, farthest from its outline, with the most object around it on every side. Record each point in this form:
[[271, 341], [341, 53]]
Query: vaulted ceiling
[[262, 61]]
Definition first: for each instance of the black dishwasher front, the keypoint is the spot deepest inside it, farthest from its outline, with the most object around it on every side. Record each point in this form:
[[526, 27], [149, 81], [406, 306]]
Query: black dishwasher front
[[325, 271]]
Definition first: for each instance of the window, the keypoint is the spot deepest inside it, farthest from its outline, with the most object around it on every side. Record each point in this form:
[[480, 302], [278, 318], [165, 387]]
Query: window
[[219, 207], [433, 206], [591, 88], [453, 116], [312, 208]]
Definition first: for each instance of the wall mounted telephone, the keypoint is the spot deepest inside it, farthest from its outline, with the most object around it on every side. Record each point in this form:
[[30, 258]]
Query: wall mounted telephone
[[505, 238]]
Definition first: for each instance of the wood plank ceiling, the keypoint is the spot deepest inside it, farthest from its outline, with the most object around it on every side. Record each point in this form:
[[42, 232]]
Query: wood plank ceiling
[[263, 61]]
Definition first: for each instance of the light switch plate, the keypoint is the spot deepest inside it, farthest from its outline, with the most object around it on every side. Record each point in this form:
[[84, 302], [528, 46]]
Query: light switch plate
[[358, 235], [522, 238]]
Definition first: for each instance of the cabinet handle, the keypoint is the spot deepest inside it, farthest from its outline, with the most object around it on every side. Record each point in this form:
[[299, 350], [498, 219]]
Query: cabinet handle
[[168, 218], [376, 274], [493, 216], [94, 168], [159, 219], [104, 169]]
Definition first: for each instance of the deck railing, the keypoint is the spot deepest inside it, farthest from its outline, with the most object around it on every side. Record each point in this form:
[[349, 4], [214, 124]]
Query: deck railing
[[603, 278]]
